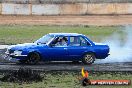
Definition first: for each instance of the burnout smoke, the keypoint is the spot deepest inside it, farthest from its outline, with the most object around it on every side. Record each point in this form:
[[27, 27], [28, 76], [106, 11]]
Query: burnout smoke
[[120, 44]]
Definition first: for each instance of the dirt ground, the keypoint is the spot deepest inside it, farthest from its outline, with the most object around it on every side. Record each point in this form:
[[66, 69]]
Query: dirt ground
[[67, 20]]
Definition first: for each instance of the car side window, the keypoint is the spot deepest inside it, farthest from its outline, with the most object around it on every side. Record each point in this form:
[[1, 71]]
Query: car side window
[[74, 41], [83, 42], [78, 41], [61, 41]]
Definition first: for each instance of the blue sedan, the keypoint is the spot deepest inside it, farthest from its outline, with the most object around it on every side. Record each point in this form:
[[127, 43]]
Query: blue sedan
[[59, 47]]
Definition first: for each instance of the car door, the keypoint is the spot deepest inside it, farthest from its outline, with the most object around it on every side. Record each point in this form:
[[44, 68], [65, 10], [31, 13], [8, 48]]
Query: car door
[[77, 47], [58, 52]]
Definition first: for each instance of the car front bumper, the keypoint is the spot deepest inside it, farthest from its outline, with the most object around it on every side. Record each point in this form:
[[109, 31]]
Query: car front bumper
[[15, 56]]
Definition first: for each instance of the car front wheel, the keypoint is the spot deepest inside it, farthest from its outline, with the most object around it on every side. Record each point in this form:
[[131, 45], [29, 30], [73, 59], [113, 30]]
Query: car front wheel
[[33, 58], [88, 58]]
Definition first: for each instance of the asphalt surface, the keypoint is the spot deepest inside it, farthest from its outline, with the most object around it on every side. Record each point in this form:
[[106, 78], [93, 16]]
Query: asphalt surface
[[52, 66], [6, 65]]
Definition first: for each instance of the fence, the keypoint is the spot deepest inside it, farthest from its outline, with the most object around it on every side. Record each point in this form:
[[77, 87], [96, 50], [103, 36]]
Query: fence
[[65, 9]]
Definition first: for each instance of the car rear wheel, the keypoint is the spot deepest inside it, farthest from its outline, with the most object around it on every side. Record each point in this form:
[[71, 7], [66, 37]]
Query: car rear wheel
[[88, 58], [33, 58]]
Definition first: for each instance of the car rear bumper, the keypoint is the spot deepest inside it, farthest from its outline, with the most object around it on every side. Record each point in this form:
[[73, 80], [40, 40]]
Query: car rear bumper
[[102, 56]]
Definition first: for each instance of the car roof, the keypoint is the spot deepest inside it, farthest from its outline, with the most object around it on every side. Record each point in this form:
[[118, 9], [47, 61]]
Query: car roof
[[65, 34]]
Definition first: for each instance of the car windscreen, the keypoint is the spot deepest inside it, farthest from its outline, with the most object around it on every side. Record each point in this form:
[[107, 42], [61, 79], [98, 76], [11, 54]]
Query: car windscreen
[[45, 39]]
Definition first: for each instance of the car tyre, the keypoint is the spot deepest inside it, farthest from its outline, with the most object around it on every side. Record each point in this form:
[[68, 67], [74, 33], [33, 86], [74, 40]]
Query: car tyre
[[88, 58], [33, 58]]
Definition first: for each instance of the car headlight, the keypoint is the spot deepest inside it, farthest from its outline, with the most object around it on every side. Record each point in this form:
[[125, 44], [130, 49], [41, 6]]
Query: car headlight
[[17, 53]]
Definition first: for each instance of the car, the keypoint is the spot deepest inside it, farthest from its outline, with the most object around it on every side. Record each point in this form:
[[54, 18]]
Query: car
[[59, 47]]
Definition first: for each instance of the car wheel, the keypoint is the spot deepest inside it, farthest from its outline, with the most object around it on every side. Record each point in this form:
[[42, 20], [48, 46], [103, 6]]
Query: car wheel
[[33, 58], [88, 58]]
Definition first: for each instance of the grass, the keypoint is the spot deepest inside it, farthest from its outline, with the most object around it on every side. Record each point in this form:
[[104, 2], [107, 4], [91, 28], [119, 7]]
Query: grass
[[64, 79], [13, 34]]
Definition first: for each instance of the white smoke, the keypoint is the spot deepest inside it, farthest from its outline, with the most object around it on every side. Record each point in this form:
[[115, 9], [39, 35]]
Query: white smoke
[[120, 49]]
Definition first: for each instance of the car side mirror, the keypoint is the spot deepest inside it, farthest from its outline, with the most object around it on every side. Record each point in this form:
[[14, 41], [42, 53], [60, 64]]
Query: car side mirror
[[88, 44]]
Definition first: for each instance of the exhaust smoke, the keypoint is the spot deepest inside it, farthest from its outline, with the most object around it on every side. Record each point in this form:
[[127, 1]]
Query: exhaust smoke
[[120, 44]]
